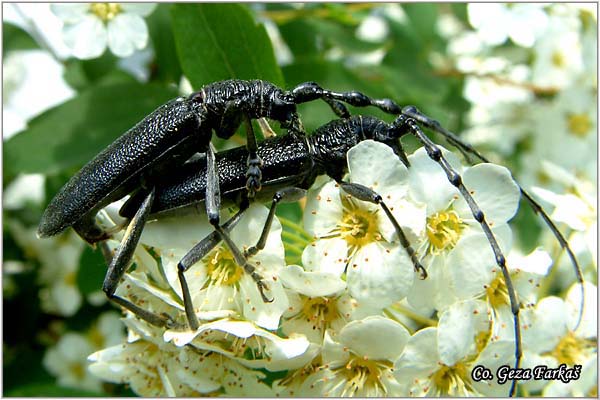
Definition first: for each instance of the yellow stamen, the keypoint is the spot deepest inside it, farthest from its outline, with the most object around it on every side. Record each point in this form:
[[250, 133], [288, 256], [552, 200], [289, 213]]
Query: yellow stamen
[[497, 293], [105, 11], [452, 381], [358, 226], [320, 311], [222, 268], [570, 350], [443, 231], [361, 373], [558, 59], [579, 124]]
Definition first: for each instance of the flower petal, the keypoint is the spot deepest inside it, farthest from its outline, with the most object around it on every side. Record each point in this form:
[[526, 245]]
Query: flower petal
[[428, 182], [457, 329], [494, 191], [87, 38], [380, 274], [374, 164], [326, 256], [375, 337], [127, 33], [323, 210], [311, 284], [70, 13]]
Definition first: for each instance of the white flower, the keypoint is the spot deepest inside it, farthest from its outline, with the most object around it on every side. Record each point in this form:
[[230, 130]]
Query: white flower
[[107, 331], [59, 257], [439, 361], [90, 27], [223, 354], [216, 282], [152, 368], [550, 338], [67, 360], [359, 361], [577, 208], [454, 249], [22, 79], [496, 22], [319, 302], [585, 386], [251, 346], [567, 125], [558, 53], [356, 237]]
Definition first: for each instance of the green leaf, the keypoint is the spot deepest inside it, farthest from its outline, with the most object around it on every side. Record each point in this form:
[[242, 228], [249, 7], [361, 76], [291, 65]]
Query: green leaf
[[92, 269], [166, 66], [15, 38], [50, 390], [72, 133], [423, 18], [300, 38], [460, 11], [222, 41], [342, 36]]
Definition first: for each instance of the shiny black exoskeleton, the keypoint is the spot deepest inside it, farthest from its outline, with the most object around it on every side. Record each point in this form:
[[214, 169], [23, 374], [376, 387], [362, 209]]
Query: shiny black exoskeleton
[[166, 138]]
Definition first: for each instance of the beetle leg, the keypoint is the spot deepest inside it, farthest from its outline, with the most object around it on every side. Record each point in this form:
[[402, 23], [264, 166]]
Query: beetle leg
[[365, 194], [88, 229], [455, 179], [232, 117], [254, 162], [196, 254], [121, 261], [466, 149], [286, 195], [243, 262], [213, 190]]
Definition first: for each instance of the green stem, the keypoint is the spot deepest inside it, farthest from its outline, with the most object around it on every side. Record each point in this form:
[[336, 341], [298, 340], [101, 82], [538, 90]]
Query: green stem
[[296, 227], [293, 248], [290, 237], [412, 315]]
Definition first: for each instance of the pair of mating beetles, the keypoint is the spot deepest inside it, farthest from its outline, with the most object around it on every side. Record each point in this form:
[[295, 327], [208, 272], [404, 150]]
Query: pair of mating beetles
[[141, 162]]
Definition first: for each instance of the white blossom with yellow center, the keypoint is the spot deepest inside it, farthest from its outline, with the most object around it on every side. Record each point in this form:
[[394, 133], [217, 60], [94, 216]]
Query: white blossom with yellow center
[[454, 250], [551, 338], [155, 368], [90, 27], [438, 362], [180, 362], [358, 362], [319, 302], [355, 237], [558, 52], [565, 134], [217, 282]]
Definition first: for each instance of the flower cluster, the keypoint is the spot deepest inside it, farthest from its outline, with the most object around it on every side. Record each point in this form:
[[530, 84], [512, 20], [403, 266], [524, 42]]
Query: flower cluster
[[354, 319], [544, 91]]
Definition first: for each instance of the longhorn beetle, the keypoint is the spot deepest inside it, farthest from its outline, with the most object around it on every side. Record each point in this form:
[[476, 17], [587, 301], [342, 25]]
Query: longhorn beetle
[[291, 166], [169, 136]]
